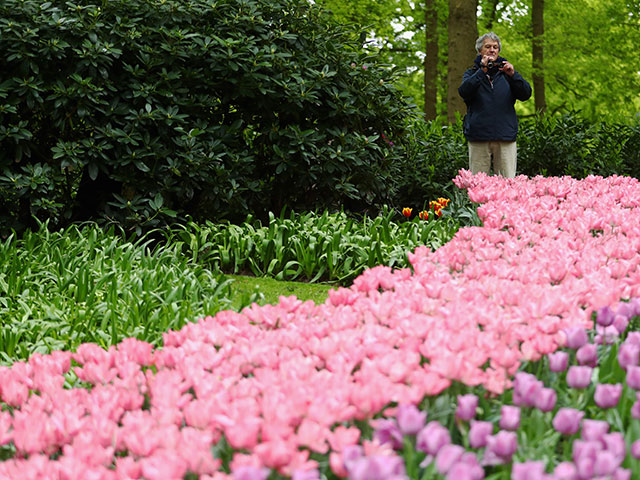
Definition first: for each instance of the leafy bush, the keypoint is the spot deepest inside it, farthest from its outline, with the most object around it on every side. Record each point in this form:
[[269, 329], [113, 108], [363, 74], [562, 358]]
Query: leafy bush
[[433, 152], [570, 145], [143, 110]]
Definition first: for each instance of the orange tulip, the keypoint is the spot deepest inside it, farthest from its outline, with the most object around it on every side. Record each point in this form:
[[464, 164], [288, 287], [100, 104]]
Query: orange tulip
[[424, 215], [406, 211]]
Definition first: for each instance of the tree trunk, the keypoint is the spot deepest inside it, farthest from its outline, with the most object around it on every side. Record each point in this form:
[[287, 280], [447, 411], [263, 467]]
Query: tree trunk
[[463, 32], [537, 16], [431, 60]]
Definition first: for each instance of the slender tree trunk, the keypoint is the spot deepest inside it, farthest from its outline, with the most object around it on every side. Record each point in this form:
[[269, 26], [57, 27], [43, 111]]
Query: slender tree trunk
[[537, 16], [431, 60], [463, 32]]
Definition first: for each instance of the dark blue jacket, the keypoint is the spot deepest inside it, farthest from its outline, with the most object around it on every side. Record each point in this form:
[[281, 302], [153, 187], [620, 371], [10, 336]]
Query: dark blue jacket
[[490, 103]]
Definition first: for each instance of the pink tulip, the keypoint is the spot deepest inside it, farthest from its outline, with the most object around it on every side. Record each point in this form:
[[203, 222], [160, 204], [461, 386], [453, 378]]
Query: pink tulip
[[633, 377], [607, 395], [567, 421]]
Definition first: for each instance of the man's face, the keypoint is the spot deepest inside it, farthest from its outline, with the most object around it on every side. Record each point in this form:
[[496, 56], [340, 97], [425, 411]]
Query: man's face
[[490, 48]]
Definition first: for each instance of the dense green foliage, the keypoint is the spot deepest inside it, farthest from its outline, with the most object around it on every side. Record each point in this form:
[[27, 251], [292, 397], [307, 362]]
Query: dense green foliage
[[313, 247], [140, 111], [58, 290], [85, 284]]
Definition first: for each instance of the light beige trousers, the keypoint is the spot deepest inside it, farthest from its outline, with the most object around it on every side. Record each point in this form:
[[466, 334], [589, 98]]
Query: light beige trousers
[[503, 154]]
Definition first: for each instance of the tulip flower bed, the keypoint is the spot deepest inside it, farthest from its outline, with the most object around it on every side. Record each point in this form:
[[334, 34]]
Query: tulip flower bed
[[482, 361]]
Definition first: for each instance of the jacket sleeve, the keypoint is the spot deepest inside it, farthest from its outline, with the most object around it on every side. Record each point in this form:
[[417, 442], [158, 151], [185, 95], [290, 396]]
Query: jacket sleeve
[[471, 80], [519, 87]]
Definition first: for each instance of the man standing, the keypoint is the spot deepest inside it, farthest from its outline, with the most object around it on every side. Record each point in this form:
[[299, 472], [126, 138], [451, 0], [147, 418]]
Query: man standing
[[490, 90]]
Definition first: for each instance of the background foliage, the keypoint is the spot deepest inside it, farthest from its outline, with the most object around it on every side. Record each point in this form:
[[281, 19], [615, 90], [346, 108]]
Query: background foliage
[[590, 48], [140, 111]]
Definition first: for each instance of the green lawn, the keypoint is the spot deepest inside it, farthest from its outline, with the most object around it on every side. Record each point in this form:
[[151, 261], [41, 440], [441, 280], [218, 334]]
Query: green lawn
[[267, 290]]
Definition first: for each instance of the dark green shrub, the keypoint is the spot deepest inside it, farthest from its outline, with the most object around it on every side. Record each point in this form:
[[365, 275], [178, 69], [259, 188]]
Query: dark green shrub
[[139, 110], [570, 145], [434, 152]]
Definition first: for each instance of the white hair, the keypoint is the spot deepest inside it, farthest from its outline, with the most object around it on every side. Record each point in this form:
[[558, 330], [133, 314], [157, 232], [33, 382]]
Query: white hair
[[490, 36]]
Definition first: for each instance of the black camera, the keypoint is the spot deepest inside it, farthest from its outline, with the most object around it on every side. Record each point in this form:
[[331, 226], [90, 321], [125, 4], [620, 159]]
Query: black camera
[[491, 64]]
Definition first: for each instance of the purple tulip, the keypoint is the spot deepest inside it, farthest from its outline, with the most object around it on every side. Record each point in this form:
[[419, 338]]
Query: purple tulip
[[509, 417], [579, 376], [633, 377], [448, 456], [432, 438], [620, 323], [628, 354], [605, 316], [312, 474], [635, 409], [463, 470], [633, 338], [247, 472], [546, 400], [607, 395], [585, 465], [558, 361], [621, 474], [606, 463], [565, 471], [377, 467], [614, 442], [387, 431], [410, 419], [593, 430], [585, 449], [526, 388], [467, 406], [479, 432], [635, 449], [531, 470], [351, 454], [567, 421], [576, 337], [501, 446], [606, 335], [588, 355]]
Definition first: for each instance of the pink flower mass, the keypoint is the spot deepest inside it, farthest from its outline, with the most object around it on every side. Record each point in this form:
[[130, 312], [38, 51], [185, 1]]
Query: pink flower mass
[[275, 380]]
